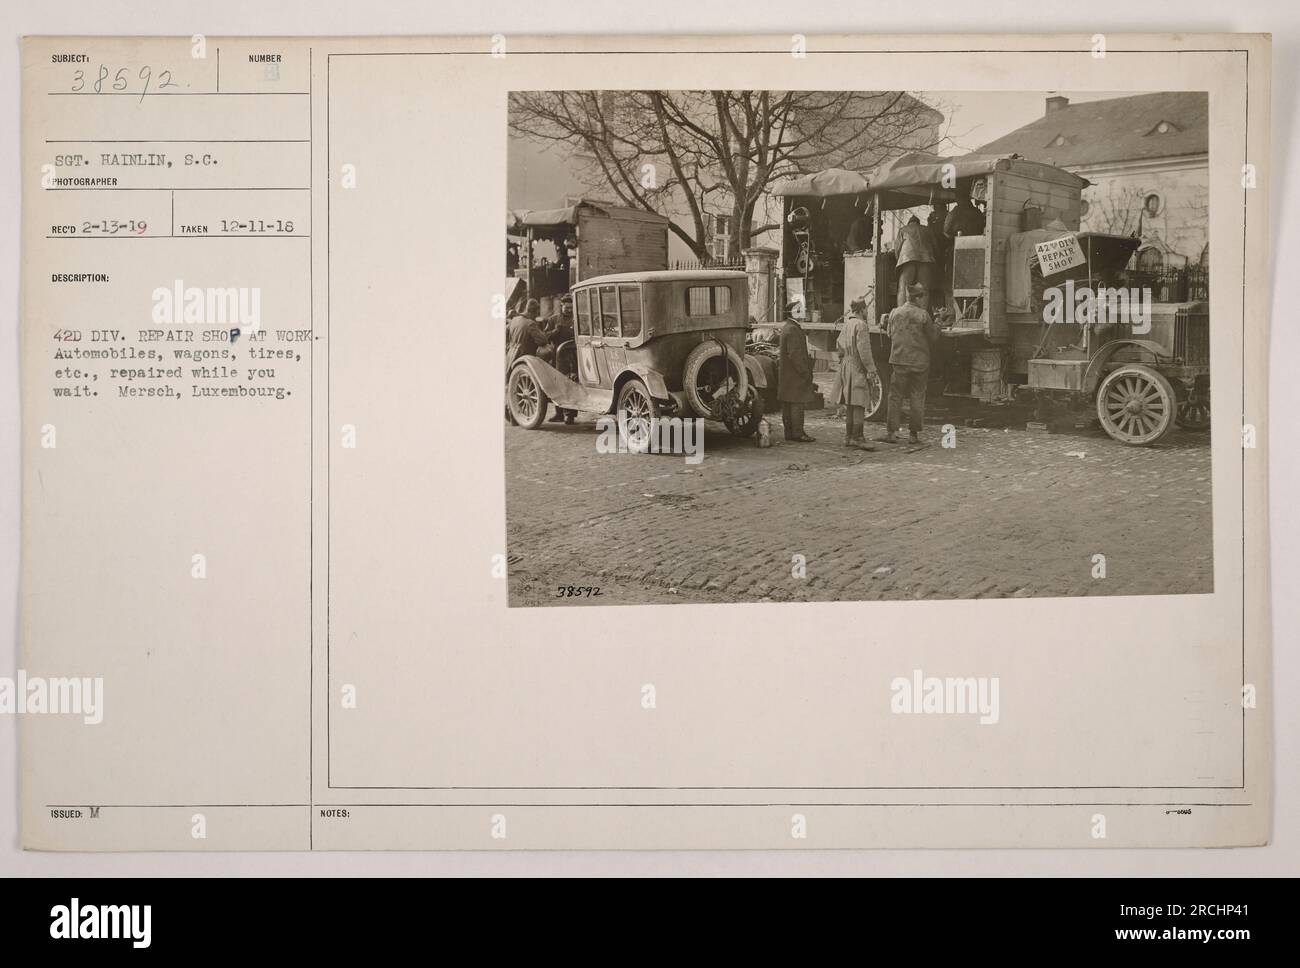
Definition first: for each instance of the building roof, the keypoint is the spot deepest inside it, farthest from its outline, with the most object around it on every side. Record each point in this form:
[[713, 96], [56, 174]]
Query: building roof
[[517, 221], [1114, 130]]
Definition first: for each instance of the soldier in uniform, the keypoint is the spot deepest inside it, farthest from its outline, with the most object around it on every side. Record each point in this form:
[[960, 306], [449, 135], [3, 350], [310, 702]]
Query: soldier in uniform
[[965, 218], [912, 336], [559, 330], [858, 375], [915, 258], [524, 334], [794, 383]]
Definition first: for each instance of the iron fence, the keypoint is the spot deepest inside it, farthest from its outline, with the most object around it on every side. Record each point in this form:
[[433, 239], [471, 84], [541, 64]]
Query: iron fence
[[737, 263], [1173, 283]]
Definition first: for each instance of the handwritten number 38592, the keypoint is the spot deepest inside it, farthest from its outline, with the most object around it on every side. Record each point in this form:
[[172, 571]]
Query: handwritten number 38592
[[121, 80], [577, 591]]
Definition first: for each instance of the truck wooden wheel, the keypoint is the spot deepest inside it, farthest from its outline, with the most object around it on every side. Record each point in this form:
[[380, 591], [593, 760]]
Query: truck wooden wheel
[[1193, 415], [1136, 405], [528, 401]]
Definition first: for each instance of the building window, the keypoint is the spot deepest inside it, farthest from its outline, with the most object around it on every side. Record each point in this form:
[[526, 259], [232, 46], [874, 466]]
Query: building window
[[721, 240], [1150, 259]]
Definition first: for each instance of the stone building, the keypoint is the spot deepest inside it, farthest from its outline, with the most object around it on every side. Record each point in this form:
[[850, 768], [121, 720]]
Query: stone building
[[1147, 156]]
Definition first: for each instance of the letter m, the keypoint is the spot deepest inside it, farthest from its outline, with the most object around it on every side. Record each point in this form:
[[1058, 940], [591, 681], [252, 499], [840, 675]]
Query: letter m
[[223, 306], [65, 695], [116, 922]]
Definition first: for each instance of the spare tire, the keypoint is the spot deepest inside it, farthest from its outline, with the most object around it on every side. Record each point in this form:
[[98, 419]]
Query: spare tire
[[710, 370]]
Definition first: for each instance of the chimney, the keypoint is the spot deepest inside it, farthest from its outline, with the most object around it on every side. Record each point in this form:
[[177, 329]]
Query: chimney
[[1056, 103]]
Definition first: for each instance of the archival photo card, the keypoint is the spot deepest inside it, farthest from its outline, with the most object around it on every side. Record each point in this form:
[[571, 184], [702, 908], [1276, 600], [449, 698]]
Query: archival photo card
[[853, 478]]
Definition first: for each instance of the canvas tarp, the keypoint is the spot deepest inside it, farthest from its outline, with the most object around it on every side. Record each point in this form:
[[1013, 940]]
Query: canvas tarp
[[923, 168], [832, 181], [520, 219], [912, 170], [543, 217]]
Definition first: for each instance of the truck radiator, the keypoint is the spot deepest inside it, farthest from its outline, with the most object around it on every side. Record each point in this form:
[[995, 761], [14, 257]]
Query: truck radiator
[[1192, 337]]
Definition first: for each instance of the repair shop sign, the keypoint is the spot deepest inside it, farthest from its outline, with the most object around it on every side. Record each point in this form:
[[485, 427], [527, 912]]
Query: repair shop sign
[[1057, 255]]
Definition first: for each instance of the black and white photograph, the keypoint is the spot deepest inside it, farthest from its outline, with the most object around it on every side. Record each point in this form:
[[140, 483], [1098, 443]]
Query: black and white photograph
[[783, 346]]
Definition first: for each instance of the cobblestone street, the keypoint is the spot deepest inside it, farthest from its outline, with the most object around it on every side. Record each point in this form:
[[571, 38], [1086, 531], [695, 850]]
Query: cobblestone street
[[1003, 513]]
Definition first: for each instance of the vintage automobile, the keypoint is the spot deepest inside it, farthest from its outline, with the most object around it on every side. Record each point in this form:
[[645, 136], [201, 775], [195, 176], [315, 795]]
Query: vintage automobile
[[663, 343], [1144, 370]]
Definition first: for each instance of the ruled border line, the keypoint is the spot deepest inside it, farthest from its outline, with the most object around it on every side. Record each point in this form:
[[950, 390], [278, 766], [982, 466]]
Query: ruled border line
[[783, 52]]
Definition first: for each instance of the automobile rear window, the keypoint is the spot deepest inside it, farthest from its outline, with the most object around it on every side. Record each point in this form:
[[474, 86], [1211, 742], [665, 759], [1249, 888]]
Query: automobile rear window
[[699, 301], [583, 312], [608, 311], [708, 300], [629, 301]]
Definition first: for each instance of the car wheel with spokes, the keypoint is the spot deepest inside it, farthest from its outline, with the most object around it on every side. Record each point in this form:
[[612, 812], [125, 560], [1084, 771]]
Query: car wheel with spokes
[[875, 408], [745, 420], [526, 398], [636, 412], [1136, 405]]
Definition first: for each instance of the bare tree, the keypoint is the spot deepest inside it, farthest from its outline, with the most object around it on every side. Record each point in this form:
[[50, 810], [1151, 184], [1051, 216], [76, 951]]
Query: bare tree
[[1119, 212], [685, 153]]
